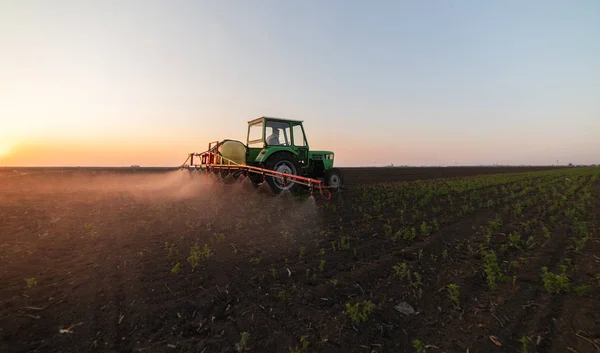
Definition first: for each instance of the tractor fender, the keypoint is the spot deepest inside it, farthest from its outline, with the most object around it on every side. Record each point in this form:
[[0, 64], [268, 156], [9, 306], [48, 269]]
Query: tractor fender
[[267, 152]]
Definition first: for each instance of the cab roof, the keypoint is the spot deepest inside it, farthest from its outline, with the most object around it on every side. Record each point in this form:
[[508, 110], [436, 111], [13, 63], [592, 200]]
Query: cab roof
[[262, 118]]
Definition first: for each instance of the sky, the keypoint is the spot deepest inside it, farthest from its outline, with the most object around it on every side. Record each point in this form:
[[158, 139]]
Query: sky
[[111, 83]]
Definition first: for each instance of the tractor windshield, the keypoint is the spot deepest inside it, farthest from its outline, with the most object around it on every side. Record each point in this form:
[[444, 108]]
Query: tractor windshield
[[277, 133]]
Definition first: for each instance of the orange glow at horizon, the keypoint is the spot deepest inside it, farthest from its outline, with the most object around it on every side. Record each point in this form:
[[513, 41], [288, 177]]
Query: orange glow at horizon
[[68, 153]]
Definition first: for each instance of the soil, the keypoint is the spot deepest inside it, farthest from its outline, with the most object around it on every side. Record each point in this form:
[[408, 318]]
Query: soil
[[159, 261]]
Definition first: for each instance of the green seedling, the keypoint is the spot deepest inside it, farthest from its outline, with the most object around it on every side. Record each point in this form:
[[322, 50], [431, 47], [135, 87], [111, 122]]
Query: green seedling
[[581, 290], [344, 243], [175, 268], [401, 271], [304, 342], [454, 292], [514, 239], [524, 342], [492, 270], [242, 345], [555, 283], [282, 295], [416, 285], [426, 229], [197, 254], [418, 346], [359, 313], [31, 282], [169, 246]]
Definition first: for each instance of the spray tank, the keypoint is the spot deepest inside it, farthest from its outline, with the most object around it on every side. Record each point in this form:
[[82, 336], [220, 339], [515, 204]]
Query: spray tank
[[232, 151]]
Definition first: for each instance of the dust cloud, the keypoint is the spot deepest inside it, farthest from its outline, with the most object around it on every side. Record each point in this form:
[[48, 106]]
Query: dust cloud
[[177, 197]]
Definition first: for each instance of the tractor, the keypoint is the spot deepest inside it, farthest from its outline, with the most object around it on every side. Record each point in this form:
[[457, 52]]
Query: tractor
[[276, 152]]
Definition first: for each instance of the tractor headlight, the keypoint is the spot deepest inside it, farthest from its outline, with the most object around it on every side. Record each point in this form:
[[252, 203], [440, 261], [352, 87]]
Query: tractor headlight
[[329, 156]]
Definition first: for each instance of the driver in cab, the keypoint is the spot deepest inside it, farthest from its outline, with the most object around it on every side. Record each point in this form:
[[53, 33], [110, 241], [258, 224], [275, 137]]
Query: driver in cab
[[273, 139]]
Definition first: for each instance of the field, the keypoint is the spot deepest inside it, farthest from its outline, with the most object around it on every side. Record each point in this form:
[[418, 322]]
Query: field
[[404, 260]]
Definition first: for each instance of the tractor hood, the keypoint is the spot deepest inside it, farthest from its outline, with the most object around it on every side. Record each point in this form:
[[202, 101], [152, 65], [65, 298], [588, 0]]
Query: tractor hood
[[321, 155]]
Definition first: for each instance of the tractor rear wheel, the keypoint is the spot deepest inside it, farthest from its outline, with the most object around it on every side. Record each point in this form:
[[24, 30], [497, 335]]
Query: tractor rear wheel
[[282, 163], [334, 178]]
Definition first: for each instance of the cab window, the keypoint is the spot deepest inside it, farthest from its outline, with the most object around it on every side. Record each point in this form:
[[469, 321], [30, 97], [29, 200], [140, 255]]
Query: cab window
[[299, 140]]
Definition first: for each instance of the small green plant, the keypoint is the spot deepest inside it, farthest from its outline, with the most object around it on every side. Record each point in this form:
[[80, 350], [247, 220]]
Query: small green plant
[[514, 240], [409, 234], [322, 265], [176, 268], [523, 341], [282, 296], [546, 232], [492, 270], [555, 283], [255, 260], [518, 209], [454, 292], [197, 254], [344, 243], [31, 282], [169, 246], [581, 289], [273, 272], [420, 256], [416, 285], [219, 237], [90, 229], [387, 229], [359, 313], [304, 342], [445, 254], [530, 243], [335, 282], [418, 346], [206, 252], [426, 229], [401, 271], [302, 251], [242, 345]]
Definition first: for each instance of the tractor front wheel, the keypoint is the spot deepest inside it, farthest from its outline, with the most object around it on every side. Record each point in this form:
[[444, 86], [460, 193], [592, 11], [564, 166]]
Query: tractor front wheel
[[334, 178], [282, 163]]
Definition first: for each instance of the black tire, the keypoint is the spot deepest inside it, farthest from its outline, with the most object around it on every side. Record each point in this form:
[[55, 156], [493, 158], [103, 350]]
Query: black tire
[[334, 177], [286, 163]]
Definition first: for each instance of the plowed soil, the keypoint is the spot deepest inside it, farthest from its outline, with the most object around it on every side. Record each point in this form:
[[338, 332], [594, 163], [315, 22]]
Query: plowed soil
[[162, 261]]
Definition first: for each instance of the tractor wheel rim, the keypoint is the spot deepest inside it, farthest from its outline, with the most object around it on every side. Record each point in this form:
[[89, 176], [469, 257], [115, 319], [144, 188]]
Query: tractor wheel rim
[[334, 180], [287, 168]]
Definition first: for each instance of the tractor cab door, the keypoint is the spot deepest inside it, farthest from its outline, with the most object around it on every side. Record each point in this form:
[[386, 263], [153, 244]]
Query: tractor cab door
[[300, 145]]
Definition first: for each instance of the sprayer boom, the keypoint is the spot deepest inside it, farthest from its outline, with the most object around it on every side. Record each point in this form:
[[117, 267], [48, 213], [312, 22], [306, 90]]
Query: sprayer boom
[[212, 161]]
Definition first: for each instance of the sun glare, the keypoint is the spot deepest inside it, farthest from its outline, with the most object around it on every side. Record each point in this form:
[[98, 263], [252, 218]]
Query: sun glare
[[5, 149]]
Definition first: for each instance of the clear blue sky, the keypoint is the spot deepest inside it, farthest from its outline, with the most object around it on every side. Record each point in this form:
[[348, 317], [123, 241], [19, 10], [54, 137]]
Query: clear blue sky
[[403, 82]]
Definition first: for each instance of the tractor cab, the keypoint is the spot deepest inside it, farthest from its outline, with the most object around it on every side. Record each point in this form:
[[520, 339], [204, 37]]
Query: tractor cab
[[269, 135]]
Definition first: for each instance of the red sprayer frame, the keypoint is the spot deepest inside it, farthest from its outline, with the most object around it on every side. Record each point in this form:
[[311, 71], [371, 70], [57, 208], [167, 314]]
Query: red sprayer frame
[[211, 160]]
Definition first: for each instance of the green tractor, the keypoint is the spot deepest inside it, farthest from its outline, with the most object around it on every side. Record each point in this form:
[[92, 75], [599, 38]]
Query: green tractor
[[280, 145], [276, 153]]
